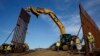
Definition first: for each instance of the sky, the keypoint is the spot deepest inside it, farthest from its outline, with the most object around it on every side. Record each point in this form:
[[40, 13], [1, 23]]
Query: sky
[[42, 31]]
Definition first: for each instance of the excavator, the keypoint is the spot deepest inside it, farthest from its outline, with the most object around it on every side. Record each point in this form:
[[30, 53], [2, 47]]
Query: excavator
[[64, 38]]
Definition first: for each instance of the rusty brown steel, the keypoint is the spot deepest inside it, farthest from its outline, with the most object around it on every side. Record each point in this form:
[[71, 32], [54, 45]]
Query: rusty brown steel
[[20, 30], [88, 25]]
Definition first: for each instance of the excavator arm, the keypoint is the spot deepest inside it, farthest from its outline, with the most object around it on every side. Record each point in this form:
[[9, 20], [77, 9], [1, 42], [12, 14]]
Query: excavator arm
[[38, 11]]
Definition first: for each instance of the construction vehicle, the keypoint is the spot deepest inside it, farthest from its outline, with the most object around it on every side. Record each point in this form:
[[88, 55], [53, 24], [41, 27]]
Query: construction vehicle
[[64, 38]]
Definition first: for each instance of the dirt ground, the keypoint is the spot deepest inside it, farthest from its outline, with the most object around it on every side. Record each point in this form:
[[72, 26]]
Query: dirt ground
[[44, 52]]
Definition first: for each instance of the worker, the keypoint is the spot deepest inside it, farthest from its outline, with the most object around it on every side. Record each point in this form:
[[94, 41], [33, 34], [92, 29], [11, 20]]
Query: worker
[[5, 51], [58, 45], [78, 44], [9, 48], [24, 47], [72, 45], [90, 41]]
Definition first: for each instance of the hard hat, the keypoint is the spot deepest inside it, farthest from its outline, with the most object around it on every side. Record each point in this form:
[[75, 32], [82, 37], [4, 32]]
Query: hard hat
[[89, 33]]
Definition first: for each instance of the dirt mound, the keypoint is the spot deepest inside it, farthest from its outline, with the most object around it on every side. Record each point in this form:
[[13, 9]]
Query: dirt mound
[[50, 53]]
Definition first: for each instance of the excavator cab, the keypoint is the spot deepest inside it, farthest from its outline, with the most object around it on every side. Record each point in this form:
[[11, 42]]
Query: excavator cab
[[65, 41], [65, 38]]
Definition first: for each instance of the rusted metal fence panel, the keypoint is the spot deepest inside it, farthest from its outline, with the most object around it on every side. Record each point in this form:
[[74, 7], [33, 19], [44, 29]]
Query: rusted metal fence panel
[[21, 27], [89, 25], [20, 31]]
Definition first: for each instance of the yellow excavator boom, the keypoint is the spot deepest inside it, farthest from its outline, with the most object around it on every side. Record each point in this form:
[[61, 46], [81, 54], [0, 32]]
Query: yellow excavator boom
[[38, 11]]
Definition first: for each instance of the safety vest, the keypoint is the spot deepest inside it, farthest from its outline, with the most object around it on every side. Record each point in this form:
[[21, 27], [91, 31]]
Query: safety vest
[[77, 41], [90, 38]]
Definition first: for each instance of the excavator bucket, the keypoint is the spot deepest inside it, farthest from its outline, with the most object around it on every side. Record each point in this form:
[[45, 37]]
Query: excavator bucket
[[36, 14], [20, 30], [33, 10]]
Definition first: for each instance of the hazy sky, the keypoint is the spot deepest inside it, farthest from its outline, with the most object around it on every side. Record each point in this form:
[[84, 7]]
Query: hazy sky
[[42, 31]]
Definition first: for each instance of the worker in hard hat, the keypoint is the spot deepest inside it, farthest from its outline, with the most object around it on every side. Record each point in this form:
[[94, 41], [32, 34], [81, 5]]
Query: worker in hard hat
[[72, 44], [90, 41], [78, 44], [58, 45], [5, 51], [8, 50]]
